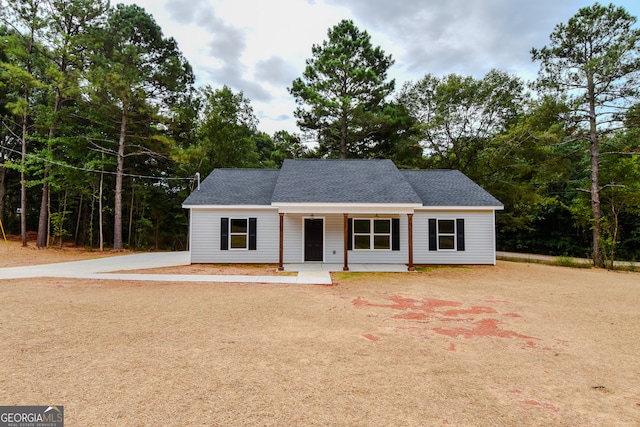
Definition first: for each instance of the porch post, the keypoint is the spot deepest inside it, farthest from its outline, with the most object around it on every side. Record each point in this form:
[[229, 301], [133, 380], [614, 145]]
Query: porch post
[[346, 243], [410, 218], [280, 262]]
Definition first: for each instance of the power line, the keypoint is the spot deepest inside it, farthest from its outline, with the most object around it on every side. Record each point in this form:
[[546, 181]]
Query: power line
[[83, 169]]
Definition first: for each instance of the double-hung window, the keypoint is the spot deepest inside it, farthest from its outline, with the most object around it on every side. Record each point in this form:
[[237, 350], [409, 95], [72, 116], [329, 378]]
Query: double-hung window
[[238, 233], [372, 234], [446, 234]]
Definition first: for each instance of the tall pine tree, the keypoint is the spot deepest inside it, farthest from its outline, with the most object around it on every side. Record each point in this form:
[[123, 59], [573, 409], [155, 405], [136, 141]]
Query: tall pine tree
[[593, 60], [343, 88]]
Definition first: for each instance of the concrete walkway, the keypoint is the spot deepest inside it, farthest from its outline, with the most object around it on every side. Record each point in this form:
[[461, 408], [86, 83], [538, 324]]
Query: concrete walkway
[[353, 268], [102, 268]]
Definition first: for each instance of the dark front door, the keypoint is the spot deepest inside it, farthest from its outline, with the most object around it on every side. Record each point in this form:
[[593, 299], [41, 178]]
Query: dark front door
[[313, 240]]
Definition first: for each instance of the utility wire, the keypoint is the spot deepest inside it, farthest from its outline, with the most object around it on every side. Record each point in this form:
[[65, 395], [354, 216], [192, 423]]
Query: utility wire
[[83, 169]]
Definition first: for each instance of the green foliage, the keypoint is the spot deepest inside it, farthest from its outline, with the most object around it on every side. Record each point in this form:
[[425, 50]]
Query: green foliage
[[457, 115], [343, 86], [394, 135], [287, 146], [226, 131], [521, 168], [58, 224]]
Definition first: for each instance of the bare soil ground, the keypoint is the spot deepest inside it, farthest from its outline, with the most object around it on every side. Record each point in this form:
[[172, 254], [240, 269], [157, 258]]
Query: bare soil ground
[[13, 254], [515, 344], [214, 269]]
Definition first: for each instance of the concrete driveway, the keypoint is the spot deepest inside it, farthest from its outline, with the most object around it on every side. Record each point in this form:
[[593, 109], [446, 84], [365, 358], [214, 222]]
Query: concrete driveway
[[98, 265], [101, 269]]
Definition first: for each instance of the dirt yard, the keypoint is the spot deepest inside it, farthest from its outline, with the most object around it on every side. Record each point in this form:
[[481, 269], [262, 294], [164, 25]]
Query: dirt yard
[[516, 344]]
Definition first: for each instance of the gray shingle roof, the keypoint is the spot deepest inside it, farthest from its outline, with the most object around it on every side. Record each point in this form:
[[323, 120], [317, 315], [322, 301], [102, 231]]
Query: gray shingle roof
[[448, 188], [235, 187], [342, 181]]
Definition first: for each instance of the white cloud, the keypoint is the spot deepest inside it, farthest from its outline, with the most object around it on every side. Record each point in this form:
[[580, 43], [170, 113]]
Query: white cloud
[[259, 47]]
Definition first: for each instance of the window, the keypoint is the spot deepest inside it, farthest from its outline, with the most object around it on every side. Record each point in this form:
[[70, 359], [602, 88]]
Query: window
[[238, 234], [446, 234], [372, 234]]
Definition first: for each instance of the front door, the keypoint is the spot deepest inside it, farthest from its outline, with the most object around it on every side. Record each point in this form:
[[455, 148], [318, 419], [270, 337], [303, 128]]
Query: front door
[[313, 239]]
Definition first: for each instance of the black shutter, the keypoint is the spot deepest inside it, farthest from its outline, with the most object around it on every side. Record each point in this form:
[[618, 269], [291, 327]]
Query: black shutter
[[350, 233], [460, 233], [395, 234], [252, 234], [433, 235], [224, 234]]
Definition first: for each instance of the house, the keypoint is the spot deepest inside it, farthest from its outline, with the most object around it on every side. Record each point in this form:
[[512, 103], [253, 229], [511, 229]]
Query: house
[[341, 212]]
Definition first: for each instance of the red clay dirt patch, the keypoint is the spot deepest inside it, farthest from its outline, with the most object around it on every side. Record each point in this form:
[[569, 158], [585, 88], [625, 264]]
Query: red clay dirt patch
[[482, 328], [435, 310]]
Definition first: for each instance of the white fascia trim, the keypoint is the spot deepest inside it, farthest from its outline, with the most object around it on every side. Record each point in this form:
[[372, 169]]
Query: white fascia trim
[[230, 207], [460, 208], [380, 208]]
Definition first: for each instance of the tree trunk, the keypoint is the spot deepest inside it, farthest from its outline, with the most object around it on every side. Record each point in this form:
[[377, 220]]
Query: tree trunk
[[343, 136], [614, 238], [100, 228], [25, 120], [594, 151], [43, 220], [62, 215], [77, 232], [598, 260], [23, 183], [117, 215], [131, 213], [3, 190]]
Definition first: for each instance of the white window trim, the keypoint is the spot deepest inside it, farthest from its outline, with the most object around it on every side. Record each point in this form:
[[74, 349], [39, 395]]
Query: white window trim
[[372, 234], [246, 242], [454, 234]]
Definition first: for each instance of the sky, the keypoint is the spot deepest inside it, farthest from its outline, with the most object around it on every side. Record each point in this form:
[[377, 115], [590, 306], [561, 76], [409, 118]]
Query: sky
[[259, 47]]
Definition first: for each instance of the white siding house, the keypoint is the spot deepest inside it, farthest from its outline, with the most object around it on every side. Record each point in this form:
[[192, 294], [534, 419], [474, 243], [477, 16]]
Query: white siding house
[[341, 211]]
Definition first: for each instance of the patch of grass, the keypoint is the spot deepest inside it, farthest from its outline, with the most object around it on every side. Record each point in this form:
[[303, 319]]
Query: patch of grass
[[632, 267], [567, 261], [426, 268], [518, 259], [371, 274], [561, 261], [338, 275]]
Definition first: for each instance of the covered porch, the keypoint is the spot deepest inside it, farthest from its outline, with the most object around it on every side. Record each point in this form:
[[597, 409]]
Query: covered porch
[[333, 239]]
